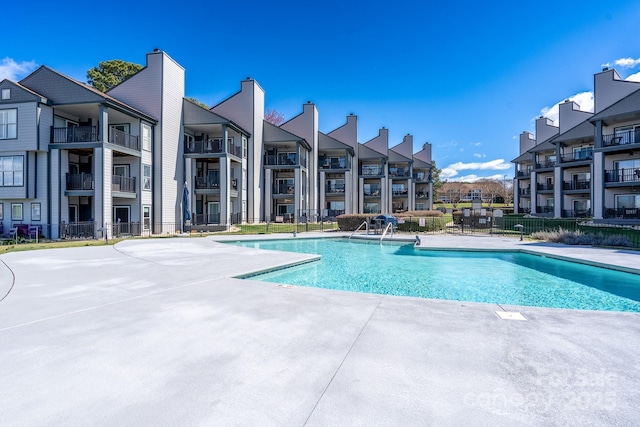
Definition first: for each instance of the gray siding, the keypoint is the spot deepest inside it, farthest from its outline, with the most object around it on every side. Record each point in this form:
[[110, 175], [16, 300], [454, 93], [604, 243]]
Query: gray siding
[[60, 89], [27, 130]]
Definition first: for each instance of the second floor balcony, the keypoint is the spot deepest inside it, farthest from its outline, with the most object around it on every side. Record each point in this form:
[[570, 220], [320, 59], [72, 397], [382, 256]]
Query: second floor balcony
[[523, 174], [631, 136], [79, 181], [622, 175], [286, 159], [548, 186], [333, 163], [123, 184], [333, 189], [577, 185], [422, 195], [524, 191], [83, 134], [547, 164]]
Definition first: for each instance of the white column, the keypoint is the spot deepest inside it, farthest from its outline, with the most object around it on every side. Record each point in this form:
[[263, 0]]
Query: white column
[[103, 200], [297, 194], [597, 183], [349, 194], [557, 192], [322, 183], [534, 192], [268, 197], [57, 190], [225, 189], [360, 195]]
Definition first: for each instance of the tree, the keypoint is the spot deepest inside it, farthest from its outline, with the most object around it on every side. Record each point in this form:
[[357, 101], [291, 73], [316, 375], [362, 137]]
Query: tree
[[454, 191], [508, 191], [111, 73], [435, 178], [195, 101], [491, 189], [274, 117]]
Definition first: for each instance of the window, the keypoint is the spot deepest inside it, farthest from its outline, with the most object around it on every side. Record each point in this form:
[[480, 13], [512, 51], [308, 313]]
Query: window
[[371, 208], [35, 212], [583, 153], [244, 146], [6, 94], [1, 211], [16, 211], [371, 170], [8, 123], [11, 171], [146, 137], [244, 178], [628, 134], [146, 217], [627, 201], [146, 177], [371, 190]]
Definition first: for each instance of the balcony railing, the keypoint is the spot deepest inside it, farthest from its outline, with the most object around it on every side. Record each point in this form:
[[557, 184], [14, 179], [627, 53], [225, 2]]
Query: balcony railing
[[631, 136], [420, 177], [622, 213], [546, 165], [123, 139], [584, 213], [372, 171], [333, 163], [203, 219], [400, 192], [577, 185], [281, 160], [283, 189], [74, 134], [422, 195], [202, 183], [80, 181], [622, 175], [544, 187], [123, 184], [334, 189], [525, 192], [545, 209], [399, 174], [578, 157], [523, 173], [374, 192]]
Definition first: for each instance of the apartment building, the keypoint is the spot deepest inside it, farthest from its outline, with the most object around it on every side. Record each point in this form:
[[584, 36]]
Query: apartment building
[[77, 162], [588, 164]]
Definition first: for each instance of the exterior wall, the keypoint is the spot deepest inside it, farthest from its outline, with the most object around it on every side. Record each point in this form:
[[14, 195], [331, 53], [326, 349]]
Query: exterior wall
[[348, 134], [527, 142], [27, 130], [569, 115], [246, 108], [545, 129], [45, 121]]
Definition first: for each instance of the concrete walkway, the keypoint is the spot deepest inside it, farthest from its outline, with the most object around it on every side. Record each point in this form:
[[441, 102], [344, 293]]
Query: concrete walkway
[[157, 332]]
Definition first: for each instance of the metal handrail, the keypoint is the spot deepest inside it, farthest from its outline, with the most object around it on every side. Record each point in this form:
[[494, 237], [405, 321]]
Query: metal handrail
[[365, 223], [386, 229]]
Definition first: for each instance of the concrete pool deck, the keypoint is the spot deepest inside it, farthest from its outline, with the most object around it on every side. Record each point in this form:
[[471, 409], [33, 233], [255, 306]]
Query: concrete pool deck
[[158, 332]]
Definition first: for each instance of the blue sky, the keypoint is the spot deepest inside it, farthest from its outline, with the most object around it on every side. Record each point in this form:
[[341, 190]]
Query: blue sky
[[466, 76]]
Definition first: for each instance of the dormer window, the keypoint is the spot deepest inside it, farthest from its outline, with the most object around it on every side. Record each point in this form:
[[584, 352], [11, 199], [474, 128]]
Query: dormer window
[[6, 94]]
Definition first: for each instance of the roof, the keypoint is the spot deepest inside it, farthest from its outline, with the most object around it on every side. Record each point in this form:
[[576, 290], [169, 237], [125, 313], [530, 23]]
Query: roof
[[194, 114], [582, 131], [394, 156], [369, 153], [325, 142], [272, 133], [420, 164], [629, 105], [522, 158], [25, 94], [61, 90], [544, 146]]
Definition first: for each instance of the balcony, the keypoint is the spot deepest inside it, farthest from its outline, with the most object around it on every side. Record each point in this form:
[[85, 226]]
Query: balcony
[[399, 173], [212, 146], [333, 163], [544, 187], [545, 209], [333, 189], [546, 165], [281, 160], [399, 192], [280, 189], [584, 213], [123, 184], [422, 195], [371, 171], [622, 213], [74, 134], [523, 174], [203, 219], [123, 139], [622, 175], [79, 181], [420, 177], [631, 136], [578, 157], [372, 192], [577, 185], [524, 192]]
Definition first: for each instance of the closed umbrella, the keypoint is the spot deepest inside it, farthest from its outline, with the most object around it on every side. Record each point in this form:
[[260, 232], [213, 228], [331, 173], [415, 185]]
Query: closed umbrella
[[185, 203]]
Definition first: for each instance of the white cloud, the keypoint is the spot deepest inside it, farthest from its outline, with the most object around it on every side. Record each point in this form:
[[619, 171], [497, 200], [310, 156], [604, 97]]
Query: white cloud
[[12, 70], [627, 62], [480, 156], [634, 77], [583, 99], [453, 169]]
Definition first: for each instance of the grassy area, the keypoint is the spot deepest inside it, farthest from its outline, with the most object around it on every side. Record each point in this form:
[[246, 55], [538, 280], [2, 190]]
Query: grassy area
[[281, 228], [20, 247], [464, 205]]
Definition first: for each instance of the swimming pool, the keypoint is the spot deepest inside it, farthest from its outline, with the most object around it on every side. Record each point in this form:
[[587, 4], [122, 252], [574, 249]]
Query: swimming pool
[[511, 278]]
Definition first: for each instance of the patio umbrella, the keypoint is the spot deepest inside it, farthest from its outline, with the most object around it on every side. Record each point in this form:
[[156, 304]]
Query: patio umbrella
[[185, 203]]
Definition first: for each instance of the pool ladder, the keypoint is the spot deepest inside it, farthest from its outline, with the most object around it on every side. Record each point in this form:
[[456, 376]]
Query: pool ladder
[[366, 224], [386, 229]]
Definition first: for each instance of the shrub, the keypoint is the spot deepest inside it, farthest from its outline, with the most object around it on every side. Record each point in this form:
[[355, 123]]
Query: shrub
[[577, 237], [349, 222]]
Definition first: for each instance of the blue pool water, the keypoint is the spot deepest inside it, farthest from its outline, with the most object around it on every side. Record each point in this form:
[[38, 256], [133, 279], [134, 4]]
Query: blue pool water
[[510, 278]]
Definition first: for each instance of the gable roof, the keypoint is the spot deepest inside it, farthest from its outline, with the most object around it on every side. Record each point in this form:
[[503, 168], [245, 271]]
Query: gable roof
[[583, 131], [197, 115], [325, 142], [629, 106], [61, 90], [22, 93], [420, 164], [272, 133], [394, 156], [365, 153]]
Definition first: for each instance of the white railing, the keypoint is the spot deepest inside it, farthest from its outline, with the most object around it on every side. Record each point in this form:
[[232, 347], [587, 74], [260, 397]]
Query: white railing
[[366, 224]]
